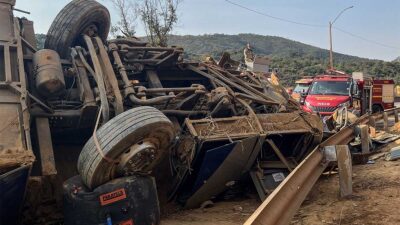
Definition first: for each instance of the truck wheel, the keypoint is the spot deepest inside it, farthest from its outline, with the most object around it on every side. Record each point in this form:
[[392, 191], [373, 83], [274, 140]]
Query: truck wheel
[[132, 142], [377, 108], [77, 18]]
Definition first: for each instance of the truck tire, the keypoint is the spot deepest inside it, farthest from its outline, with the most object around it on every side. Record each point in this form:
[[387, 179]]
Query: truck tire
[[133, 142], [77, 18]]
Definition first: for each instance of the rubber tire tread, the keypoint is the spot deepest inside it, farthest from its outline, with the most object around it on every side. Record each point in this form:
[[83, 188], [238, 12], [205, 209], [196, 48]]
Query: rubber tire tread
[[111, 135], [72, 20], [109, 129], [109, 140]]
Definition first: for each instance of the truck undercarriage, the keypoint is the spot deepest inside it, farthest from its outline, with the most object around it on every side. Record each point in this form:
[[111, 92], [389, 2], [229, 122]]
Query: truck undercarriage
[[106, 110]]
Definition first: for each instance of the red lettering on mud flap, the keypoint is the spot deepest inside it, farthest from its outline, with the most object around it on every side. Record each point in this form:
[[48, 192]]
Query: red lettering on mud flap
[[112, 197], [128, 222]]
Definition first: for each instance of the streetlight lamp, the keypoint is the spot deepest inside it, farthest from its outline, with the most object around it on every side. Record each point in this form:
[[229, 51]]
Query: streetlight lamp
[[330, 35]]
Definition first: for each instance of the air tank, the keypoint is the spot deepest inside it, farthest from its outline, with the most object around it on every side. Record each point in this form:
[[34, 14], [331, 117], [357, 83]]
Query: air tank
[[48, 73]]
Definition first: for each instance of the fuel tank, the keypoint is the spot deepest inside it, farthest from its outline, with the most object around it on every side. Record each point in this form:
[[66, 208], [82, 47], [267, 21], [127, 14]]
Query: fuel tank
[[48, 73]]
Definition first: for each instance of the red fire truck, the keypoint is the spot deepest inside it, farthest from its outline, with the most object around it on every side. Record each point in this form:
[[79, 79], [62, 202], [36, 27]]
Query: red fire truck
[[336, 89]]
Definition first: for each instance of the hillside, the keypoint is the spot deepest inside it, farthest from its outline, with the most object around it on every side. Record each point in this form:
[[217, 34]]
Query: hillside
[[293, 59], [262, 45]]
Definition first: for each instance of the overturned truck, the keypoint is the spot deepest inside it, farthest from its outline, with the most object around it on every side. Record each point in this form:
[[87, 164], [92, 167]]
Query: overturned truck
[[91, 125]]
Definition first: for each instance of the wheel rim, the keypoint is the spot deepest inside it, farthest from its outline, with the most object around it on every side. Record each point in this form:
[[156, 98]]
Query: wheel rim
[[91, 30], [139, 158]]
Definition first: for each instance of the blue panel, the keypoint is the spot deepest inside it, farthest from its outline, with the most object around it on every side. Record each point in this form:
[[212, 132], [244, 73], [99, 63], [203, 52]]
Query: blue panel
[[213, 158], [12, 191]]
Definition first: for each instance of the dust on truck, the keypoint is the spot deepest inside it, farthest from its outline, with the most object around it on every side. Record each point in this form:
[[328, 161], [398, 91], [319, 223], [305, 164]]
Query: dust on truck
[[337, 89]]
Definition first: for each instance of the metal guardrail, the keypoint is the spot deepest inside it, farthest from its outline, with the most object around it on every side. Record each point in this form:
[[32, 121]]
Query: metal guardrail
[[280, 207]]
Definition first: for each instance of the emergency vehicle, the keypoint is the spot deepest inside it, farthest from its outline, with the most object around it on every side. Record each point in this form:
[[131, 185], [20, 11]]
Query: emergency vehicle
[[302, 86], [331, 91]]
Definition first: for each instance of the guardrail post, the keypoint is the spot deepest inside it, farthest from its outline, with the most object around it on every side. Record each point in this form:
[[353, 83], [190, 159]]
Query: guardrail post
[[396, 115], [364, 139], [385, 121], [345, 170]]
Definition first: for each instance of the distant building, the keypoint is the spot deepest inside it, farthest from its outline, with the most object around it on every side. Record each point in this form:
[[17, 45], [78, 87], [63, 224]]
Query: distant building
[[255, 63], [260, 64]]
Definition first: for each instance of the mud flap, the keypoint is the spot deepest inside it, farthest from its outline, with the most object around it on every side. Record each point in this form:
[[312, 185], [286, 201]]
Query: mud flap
[[12, 193], [221, 166]]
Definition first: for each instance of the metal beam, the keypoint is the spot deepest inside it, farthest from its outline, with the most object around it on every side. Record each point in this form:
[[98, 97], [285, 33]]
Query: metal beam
[[282, 204], [45, 147], [280, 207]]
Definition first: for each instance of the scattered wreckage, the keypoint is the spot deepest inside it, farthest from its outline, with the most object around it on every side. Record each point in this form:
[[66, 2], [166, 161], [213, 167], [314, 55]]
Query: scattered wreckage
[[350, 142], [93, 125], [95, 120]]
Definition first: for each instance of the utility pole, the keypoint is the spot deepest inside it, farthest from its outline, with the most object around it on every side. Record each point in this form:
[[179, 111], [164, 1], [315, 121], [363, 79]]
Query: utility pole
[[330, 36], [330, 49]]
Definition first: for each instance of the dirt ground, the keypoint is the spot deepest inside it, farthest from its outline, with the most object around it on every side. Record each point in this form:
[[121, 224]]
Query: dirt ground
[[222, 213], [375, 200]]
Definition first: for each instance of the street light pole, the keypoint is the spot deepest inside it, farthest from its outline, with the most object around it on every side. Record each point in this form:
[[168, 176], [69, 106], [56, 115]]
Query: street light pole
[[330, 36], [330, 43]]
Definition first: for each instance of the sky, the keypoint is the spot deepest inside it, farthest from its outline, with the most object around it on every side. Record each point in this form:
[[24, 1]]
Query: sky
[[373, 24]]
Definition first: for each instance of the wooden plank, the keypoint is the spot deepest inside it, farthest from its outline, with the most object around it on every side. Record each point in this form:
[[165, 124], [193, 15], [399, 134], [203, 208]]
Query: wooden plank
[[45, 147], [345, 170]]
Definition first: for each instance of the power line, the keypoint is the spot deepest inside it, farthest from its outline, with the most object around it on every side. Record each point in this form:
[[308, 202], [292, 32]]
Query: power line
[[274, 17], [365, 39], [311, 25]]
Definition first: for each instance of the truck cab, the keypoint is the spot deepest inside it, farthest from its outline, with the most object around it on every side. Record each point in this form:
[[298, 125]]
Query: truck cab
[[327, 93], [301, 87], [364, 94]]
